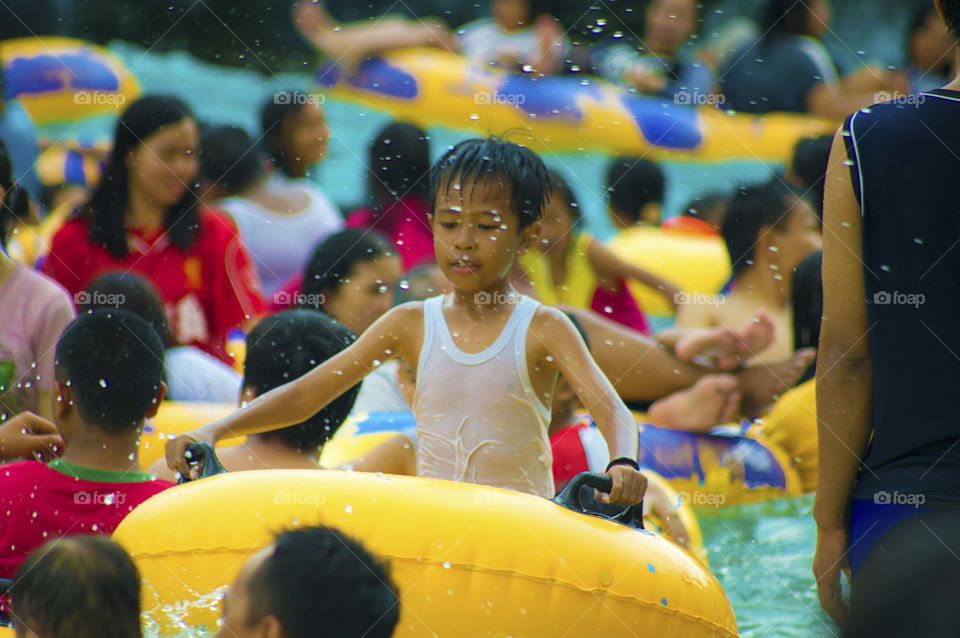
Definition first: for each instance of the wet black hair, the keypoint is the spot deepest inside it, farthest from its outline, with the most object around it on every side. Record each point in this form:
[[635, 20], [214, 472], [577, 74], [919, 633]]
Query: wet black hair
[[632, 184], [11, 207], [320, 577], [807, 300], [130, 292], [786, 17], [704, 208], [399, 162], [559, 186], [113, 361], [951, 17], [69, 586], [274, 115], [335, 256], [229, 158], [107, 205], [753, 208], [810, 160], [494, 160], [286, 346]]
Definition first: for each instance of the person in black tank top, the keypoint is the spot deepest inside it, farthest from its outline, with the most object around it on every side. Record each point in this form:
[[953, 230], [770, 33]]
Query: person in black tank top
[[889, 358]]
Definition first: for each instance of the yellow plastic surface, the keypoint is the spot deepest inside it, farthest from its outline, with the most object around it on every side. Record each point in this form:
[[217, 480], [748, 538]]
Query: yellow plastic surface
[[792, 425]]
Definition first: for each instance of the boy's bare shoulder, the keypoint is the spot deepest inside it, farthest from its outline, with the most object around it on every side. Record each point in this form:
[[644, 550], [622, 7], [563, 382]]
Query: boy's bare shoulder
[[550, 321]]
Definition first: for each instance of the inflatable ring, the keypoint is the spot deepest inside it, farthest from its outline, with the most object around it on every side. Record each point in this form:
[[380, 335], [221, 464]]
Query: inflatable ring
[[566, 113], [60, 79], [72, 163], [468, 560], [792, 425]]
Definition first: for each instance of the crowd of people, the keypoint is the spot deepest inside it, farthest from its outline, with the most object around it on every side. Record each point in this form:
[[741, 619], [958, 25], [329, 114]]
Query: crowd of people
[[473, 271]]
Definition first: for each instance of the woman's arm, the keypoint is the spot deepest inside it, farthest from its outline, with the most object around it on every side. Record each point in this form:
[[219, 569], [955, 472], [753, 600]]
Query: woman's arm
[[296, 401], [843, 381], [611, 269]]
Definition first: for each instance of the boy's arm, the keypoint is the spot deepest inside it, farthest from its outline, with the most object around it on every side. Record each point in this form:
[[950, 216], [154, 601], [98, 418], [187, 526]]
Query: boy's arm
[[844, 379], [611, 268], [298, 400], [563, 348]]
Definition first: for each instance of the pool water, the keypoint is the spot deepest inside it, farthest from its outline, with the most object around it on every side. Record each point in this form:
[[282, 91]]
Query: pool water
[[760, 553]]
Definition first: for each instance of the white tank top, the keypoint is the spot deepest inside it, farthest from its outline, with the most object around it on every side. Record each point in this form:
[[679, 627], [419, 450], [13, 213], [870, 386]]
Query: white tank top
[[478, 418]]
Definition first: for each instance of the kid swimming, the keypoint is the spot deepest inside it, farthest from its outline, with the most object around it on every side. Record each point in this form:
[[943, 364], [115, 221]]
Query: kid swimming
[[487, 358]]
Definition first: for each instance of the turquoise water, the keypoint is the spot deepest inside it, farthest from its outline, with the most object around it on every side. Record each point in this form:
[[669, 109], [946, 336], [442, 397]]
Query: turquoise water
[[761, 553]]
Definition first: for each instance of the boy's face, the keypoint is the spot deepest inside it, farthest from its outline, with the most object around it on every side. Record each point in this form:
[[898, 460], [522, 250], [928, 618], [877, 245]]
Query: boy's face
[[236, 604], [476, 233]]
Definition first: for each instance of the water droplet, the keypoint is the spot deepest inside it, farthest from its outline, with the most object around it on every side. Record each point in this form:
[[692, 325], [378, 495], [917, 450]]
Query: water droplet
[[404, 284], [549, 358], [446, 564], [526, 68], [773, 249], [918, 241], [848, 162], [885, 268], [652, 569], [607, 309], [348, 509], [474, 116], [103, 383]]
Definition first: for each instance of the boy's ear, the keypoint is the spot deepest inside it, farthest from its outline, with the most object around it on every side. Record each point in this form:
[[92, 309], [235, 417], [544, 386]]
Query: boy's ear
[[62, 401], [161, 395], [529, 236]]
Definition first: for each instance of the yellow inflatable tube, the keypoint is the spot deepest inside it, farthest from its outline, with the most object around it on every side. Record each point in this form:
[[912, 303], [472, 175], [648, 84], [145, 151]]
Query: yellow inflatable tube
[[562, 113], [60, 79], [468, 560], [792, 426]]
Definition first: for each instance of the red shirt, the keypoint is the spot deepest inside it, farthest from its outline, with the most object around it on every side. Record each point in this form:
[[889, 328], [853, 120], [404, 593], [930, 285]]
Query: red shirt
[[689, 225], [39, 503], [208, 290], [406, 224]]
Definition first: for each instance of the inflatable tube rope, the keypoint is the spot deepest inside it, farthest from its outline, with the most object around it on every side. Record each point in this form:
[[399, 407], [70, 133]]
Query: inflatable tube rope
[[565, 113], [60, 79], [468, 560]]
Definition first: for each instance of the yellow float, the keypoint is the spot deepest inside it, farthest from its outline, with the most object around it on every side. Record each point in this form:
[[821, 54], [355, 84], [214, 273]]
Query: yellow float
[[468, 560], [566, 113], [792, 426]]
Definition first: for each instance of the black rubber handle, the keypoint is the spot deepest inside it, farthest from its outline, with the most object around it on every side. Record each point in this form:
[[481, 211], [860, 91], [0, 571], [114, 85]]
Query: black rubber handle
[[5, 585], [203, 452], [580, 500]]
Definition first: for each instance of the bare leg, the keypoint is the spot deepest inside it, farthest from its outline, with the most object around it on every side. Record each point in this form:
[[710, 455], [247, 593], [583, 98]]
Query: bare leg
[[712, 400], [728, 348]]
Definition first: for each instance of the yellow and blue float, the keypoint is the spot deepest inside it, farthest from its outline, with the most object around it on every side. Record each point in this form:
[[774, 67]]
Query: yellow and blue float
[[562, 113], [59, 79], [468, 560], [792, 426]]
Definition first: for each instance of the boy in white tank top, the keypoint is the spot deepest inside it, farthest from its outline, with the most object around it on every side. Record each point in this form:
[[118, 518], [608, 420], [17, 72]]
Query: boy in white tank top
[[487, 358]]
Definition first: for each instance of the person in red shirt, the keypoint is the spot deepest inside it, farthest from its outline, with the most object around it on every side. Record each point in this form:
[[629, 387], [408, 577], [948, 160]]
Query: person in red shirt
[[144, 216], [109, 378]]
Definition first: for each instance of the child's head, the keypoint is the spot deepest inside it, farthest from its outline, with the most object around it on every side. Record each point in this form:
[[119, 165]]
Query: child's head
[[517, 14], [561, 219], [109, 372], [770, 223], [312, 577], [784, 17], [286, 346], [353, 272], [7, 193], [130, 292], [809, 169], [295, 131], [950, 10], [77, 587], [808, 304], [154, 158], [710, 208], [230, 162], [488, 198], [635, 189], [669, 24], [399, 162]]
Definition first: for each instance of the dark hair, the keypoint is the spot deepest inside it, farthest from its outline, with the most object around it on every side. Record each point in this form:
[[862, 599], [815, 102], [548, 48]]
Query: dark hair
[[11, 207], [130, 292], [705, 207], [753, 208], [632, 184], [286, 346], [560, 187], [493, 159], [108, 201], [810, 160], [113, 361], [319, 576], [785, 17], [229, 158], [78, 587], [951, 17], [334, 257], [399, 162], [808, 305], [274, 116]]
